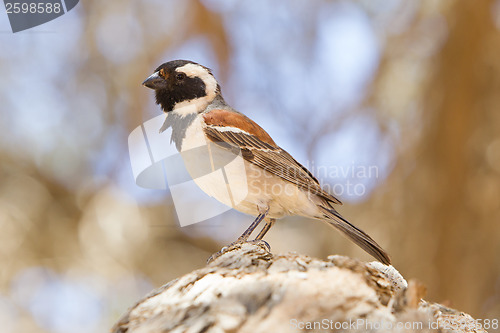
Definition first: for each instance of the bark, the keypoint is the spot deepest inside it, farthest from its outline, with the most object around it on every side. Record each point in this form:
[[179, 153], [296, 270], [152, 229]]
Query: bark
[[248, 289]]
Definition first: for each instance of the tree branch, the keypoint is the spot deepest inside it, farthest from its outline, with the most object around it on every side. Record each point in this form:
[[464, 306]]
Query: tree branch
[[248, 289]]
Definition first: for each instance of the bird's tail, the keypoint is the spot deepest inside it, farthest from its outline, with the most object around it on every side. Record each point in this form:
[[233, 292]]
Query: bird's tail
[[355, 234]]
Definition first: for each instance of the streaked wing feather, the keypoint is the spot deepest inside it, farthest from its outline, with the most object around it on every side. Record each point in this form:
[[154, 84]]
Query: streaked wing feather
[[273, 159]]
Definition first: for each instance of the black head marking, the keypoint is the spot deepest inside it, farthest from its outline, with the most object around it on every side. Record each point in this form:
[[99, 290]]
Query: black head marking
[[172, 87]]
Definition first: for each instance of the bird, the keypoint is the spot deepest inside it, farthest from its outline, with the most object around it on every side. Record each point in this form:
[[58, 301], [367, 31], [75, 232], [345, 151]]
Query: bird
[[199, 116]]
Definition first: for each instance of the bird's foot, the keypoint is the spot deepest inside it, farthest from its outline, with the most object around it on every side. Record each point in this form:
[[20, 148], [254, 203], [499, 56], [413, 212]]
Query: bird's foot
[[238, 244], [261, 242], [223, 250]]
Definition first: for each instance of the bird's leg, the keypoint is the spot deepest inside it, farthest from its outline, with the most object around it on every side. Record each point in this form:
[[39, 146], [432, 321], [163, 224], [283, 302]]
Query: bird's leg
[[251, 228], [262, 233], [244, 237]]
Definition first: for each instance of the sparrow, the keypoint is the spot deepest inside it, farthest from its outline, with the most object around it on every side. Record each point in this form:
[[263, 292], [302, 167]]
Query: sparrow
[[269, 182]]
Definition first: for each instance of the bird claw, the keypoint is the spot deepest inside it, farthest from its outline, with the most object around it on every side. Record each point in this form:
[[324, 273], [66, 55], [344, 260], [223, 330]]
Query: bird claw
[[260, 241], [227, 248], [222, 251]]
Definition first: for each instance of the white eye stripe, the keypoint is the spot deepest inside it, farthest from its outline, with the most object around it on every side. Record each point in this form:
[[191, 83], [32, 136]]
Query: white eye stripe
[[195, 70]]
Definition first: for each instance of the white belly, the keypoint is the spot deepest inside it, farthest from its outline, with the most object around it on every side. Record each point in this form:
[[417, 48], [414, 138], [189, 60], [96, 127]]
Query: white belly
[[227, 177]]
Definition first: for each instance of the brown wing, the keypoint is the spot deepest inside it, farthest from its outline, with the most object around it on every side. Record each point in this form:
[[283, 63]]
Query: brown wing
[[230, 118], [259, 149]]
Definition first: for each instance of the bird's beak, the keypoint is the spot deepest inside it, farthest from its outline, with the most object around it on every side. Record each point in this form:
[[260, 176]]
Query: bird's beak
[[155, 81]]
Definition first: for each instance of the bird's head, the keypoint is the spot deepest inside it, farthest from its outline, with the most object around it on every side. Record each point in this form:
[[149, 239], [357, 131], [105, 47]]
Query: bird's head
[[183, 86]]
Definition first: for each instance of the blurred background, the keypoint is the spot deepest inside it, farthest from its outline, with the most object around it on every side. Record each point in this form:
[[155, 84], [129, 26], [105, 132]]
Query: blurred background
[[394, 105]]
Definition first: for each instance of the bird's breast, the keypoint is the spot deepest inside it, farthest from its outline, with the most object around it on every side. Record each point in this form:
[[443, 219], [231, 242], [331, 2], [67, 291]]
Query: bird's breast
[[226, 176]]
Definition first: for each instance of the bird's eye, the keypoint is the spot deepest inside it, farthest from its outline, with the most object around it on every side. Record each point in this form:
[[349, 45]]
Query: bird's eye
[[180, 76]]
